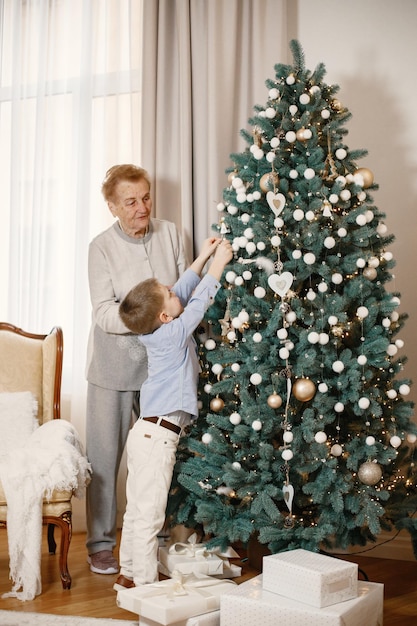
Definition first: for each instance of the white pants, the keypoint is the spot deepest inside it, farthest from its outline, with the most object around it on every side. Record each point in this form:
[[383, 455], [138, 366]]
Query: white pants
[[151, 455]]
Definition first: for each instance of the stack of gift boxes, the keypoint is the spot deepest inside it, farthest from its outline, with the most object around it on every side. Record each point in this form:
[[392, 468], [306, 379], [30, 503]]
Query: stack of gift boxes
[[296, 588], [303, 588]]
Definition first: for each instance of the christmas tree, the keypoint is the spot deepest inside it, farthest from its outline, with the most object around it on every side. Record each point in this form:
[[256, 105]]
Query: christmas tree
[[305, 437]]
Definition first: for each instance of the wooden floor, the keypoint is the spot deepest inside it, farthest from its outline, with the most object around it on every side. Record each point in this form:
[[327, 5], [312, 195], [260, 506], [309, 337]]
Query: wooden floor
[[92, 595]]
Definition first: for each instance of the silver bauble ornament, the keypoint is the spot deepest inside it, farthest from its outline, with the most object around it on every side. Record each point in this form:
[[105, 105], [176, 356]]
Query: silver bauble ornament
[[370, 473], [304, 389], [274, 401]]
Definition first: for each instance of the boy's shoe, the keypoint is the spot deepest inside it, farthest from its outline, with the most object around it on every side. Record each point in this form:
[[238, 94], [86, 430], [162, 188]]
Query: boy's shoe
[[103, 562], [123, 583]]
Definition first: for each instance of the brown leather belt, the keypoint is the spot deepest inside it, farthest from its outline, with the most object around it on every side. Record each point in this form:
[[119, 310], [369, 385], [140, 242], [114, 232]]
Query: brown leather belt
[[165, 423]]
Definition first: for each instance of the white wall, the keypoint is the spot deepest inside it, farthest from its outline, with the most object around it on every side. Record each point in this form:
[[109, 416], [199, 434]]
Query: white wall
[[369, 48]]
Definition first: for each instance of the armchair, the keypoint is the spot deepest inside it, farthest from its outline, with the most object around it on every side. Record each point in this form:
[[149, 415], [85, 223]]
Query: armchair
[[33, 362]]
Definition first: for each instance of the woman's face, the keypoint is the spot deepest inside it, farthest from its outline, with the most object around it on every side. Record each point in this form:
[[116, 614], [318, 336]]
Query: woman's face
[[132, 205]]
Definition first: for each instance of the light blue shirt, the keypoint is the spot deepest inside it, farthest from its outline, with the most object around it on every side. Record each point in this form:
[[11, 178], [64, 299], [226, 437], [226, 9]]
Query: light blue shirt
[[173, 366]]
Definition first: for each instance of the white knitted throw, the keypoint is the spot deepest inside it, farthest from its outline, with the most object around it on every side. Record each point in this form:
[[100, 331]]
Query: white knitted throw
[[52, 458]]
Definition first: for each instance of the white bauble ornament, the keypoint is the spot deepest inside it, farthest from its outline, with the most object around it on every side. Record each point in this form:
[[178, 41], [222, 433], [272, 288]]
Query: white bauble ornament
[[332, 319], [293, 174], [360, 263], [259, 292], [395, 441], [217, 368], [230, 277], [309, 173], [247, 274], [290, 136], [237, 322], [391, 393], [364, 403], [370, 473], [270, 113], [313, 337], [287, 454], [256, 379], [274, 143], [235, 418], [304, 98], [236, 465], [237, 182], [288, 436], [284, 353], [338, 367], [336, 450], [322, 287], [310, 216], [206, 438], [370, 441], [309, 258], [275, 241], [235, 367], [362, 312], [361, 220], [411, 438], [239, 281], [362, 360], [257, 337], [298, 215], [291, 317], [243, 316], [323, 388], [297, 254], [342, 232], [339, 407], [282, 333], [261, 246], [404, 389], [324, 339], [257, 425], [232, 209], [210, 344], [320, 437], [207, 387], [329, 243], [250, 247], [325, 114], [311, 295], [341, 154], [392, 349], [231, 336], [345, 195], [337, 279]]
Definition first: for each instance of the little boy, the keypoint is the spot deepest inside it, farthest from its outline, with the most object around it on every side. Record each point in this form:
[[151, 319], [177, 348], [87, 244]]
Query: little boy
[[166, 319]]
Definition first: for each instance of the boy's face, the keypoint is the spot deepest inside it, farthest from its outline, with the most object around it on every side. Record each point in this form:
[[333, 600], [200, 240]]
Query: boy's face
[[172, 304]]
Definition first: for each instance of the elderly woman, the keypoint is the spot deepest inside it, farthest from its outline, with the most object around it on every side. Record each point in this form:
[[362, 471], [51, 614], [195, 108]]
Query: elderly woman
[[136, 247]]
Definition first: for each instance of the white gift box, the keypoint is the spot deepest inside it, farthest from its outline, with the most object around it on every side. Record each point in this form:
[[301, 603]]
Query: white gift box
[[249, 604], [170, 601], [310, 577], [208, 619], [192, 557]]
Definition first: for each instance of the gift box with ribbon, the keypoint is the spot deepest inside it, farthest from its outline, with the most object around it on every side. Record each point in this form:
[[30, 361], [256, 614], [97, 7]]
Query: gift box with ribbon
[[178, 598], [193, 557], [248, 604], [208, 619]]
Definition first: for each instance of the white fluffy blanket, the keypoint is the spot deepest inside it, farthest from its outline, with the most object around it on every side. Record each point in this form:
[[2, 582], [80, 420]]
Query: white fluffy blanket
[[52, 458]]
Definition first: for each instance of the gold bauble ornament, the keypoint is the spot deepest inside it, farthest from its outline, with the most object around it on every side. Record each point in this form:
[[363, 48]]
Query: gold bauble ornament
[[231, 176], [269, 182], [367, 175], [304, 389], [370, 273], [370, 473], [336, 105], [274, 401], [216, 404], [300, 134]]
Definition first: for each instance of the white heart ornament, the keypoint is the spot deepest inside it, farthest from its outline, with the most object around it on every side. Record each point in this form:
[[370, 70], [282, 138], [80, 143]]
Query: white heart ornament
[[288, 493], [280, 283], [276, 202]]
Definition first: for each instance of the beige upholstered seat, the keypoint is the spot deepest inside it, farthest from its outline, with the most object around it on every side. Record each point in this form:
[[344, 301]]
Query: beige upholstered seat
[[30, 362]]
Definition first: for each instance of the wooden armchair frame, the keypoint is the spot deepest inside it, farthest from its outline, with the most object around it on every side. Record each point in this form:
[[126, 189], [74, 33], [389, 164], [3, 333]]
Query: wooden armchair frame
[[47, 352]]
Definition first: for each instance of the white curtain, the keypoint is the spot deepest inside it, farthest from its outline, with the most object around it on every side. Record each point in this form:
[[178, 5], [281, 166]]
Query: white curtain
[[205, 63], [70, 107]]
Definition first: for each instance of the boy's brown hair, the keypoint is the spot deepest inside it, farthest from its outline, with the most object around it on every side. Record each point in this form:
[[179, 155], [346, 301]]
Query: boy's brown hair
[[141, 307]]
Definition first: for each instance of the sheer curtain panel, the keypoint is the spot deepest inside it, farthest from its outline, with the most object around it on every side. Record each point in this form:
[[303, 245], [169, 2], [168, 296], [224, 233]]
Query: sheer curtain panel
[[70, 107]]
